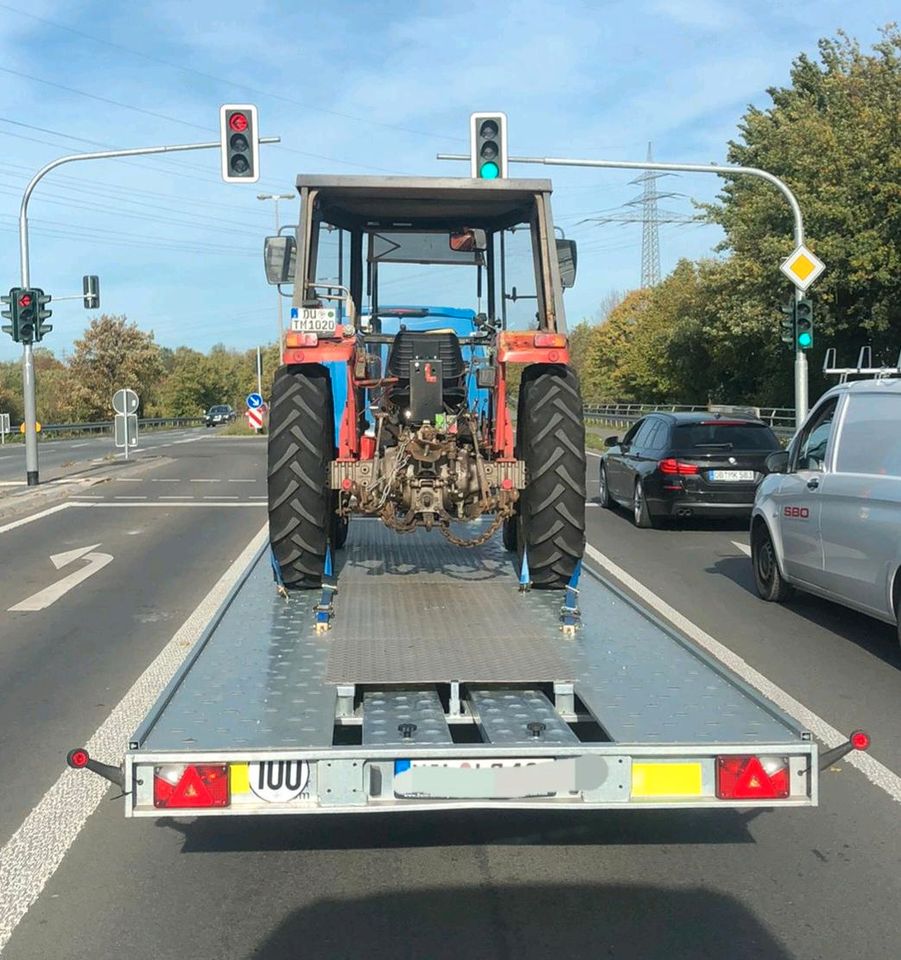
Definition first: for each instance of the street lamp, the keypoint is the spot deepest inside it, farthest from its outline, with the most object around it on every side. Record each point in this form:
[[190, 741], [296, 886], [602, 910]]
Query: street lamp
[[275, 197]]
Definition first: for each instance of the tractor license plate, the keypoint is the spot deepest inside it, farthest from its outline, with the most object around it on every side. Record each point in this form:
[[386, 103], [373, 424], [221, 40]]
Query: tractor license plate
[[731, 475], [315, 320]]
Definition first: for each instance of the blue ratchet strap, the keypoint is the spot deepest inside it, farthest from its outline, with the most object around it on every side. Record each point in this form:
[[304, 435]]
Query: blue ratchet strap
[[276, 569], [525, 579], [325, 609], [570, 615]]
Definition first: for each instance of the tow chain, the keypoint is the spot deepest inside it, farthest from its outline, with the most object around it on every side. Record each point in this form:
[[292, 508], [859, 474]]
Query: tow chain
[[490, 531], [389, 518]]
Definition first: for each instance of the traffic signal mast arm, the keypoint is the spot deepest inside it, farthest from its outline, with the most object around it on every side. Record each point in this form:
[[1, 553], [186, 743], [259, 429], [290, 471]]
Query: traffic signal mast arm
[[722, 170]]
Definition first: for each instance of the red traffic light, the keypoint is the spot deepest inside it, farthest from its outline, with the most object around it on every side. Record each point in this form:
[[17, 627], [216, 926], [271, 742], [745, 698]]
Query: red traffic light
[[25, 300], [238, 122]]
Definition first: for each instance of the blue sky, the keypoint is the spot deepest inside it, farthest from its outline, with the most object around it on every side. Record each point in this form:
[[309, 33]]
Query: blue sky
[[356, 87]]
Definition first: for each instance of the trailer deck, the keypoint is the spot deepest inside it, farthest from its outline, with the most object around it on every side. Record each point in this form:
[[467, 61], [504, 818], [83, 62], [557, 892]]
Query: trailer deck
[[440, 683]]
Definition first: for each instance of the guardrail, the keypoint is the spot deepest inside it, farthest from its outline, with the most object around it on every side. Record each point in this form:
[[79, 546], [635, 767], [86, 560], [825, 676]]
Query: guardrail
[[781, 419], [106, 426]]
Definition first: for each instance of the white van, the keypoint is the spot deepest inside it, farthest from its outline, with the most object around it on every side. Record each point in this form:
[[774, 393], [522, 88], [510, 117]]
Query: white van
[[828, 517]]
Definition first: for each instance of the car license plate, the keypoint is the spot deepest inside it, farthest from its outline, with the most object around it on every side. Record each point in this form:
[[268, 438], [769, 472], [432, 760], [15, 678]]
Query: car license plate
[[731, 475], [315, 320]]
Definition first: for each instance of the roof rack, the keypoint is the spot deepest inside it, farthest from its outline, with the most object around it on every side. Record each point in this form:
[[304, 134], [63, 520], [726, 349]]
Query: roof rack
[[864, 366]]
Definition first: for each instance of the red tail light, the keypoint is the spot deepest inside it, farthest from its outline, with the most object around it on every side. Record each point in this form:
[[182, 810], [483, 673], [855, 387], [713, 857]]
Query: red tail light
[[672, 467], [752, 778], [177, 786], [550, 340]]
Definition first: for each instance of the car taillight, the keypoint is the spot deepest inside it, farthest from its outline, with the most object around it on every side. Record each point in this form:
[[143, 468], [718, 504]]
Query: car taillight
[[752, 778], [550, 340], [295, 339], [179, 786], [672, 467]]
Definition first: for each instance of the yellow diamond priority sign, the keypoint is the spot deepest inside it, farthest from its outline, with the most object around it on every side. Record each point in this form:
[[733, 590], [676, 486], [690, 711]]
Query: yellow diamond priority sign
[[802, 267]]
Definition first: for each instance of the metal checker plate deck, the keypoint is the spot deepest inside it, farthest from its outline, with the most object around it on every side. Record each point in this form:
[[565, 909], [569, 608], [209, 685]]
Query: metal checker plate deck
[[266, 680]]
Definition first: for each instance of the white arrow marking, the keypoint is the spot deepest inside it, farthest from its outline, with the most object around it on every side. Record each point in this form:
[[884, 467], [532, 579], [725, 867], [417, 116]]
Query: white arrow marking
[[44, 598], [60, 560]]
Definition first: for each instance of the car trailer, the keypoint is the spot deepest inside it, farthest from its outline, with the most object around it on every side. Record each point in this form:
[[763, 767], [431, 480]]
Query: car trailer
[[426, 676]]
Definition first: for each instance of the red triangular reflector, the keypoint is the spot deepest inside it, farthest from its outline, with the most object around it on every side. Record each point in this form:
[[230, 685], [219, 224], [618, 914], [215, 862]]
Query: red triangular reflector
[[753, 781], [191, 791]]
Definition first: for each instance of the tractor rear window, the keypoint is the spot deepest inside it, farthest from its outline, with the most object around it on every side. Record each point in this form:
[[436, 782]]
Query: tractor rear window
[[746, 437]]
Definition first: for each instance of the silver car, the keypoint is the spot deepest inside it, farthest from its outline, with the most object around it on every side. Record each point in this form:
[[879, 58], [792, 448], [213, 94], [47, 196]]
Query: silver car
[[828, 517]]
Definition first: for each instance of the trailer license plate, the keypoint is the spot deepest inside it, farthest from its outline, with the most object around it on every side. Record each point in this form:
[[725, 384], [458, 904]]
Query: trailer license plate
[[315, 320], [489, 779], [731, 475]]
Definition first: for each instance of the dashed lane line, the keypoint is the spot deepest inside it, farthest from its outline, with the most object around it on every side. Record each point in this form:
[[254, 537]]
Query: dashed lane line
[[745, 549], [34, 852], [877, 773]]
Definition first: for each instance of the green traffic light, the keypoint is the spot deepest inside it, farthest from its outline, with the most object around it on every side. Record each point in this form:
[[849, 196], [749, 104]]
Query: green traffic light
[[489, 171], [805, 340]]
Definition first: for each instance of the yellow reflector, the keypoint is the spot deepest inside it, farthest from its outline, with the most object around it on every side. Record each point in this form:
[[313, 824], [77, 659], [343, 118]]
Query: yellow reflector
[[238, 778], [666, 779]]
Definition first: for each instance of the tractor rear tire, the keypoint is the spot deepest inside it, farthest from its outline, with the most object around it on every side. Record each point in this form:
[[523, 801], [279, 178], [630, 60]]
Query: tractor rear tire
[[302, 518], [551, 441]]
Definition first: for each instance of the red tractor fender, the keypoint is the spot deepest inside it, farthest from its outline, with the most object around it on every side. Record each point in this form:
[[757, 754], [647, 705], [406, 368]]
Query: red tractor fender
[[526, 348], [337, 355]]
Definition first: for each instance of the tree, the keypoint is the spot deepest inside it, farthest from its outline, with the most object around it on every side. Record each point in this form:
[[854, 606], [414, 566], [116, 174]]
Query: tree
[[834, 136], [112, 354]]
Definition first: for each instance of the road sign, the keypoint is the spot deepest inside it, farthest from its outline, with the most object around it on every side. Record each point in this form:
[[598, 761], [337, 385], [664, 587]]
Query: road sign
[[254, 401], [125, 401], [37, 427], [126, 431], [254, 418], [802, 267]]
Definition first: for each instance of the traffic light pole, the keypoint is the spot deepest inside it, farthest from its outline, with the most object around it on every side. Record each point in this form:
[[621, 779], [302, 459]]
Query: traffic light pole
[[28, 385], [800, 355]]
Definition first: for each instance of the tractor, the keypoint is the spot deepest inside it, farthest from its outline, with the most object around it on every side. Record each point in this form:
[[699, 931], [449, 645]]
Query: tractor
[[386, 408]]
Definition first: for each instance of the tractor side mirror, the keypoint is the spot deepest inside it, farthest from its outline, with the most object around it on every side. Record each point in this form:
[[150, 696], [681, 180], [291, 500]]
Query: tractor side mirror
[[279, 258], [777, 462], [611, 441], [566, 260], [468, 241]]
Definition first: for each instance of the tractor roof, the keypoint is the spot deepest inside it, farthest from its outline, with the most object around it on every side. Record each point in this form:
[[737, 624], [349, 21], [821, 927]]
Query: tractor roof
[[428, 202]]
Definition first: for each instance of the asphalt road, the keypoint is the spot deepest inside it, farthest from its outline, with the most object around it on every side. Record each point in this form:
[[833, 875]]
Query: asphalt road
[[818, 883], [56, 457]]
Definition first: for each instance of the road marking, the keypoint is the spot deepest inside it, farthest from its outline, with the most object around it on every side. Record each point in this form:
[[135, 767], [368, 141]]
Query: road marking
[[255, 496], [38, 516], [130, 498], [34, 852], [88, 496], [175, 503], [877, 773], [49, 595], [129, 479], [166, 480], [745, 549], [178, 496], [206, 480], [83, 443], [12, 483], [231, 480], [221, 497]]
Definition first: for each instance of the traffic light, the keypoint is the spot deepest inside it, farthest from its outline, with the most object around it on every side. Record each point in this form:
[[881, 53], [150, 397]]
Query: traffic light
[[488, 145], [27, 310], [12, 314], [787, 323], [803, 324], [90, 286], [41, 329], [239, 136]]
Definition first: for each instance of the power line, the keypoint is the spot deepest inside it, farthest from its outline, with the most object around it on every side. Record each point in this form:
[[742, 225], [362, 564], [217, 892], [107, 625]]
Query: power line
[[208, 76]]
